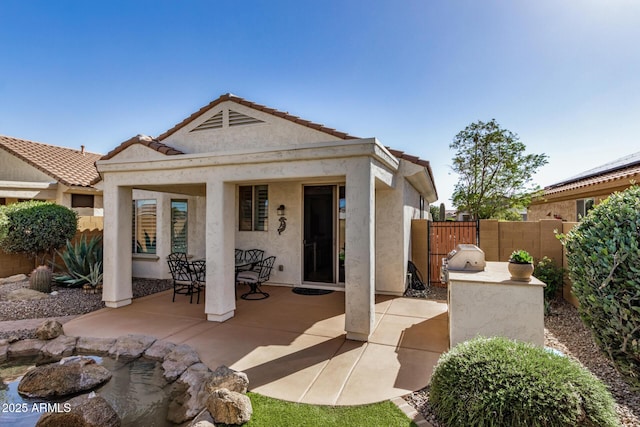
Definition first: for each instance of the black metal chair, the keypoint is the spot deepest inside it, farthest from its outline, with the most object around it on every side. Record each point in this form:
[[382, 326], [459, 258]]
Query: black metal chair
[[252, 257], [256, 278], [239, 256], [188, 278]]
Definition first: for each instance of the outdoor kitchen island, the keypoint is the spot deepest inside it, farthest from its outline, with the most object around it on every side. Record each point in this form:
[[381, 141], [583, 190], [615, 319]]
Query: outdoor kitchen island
[[488, 303]]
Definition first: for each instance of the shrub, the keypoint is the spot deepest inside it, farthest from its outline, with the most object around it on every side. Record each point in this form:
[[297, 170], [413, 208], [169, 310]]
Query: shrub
[[82, 260], [521, 257], [604, 265], [499, 382], [551, 274], [36, 228]]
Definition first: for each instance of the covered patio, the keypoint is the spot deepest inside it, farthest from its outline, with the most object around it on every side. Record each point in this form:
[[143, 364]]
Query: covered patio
[[293, 347]]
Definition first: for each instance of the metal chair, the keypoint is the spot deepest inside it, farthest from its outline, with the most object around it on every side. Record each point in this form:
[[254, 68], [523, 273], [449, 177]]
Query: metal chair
[[198, 276], [253, 257], [188, 278], [256, 278]]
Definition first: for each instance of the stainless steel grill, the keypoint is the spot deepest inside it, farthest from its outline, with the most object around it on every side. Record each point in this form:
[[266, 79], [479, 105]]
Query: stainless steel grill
[[464, 257]]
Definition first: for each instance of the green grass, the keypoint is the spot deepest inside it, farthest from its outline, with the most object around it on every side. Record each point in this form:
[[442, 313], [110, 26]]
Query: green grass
[[268, 412]]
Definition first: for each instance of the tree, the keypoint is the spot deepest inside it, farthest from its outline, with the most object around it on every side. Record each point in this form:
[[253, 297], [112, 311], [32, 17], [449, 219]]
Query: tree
[[435, 213], [494, 171], [36, 228]]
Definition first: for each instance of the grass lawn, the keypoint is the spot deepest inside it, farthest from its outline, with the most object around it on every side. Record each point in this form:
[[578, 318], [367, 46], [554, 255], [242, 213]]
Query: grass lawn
[[272, 412]]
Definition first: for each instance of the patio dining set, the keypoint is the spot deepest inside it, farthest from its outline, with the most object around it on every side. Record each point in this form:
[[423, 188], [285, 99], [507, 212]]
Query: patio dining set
[[251, 268]]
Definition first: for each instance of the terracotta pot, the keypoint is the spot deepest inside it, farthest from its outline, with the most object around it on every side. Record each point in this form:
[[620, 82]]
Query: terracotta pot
[[520, 272]]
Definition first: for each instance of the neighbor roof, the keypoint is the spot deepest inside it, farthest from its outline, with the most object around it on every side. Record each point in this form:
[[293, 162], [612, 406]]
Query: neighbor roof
[[67, 166], [621, 168]]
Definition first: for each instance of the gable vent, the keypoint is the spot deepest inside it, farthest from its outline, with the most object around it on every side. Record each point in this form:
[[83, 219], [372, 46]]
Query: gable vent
[[237, 119], [214, 122]]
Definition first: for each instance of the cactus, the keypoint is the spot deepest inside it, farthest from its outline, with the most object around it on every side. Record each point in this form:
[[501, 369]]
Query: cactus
[[40, 279]]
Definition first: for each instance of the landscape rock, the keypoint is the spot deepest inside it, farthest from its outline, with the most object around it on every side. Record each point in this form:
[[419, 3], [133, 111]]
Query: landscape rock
[[63, 346], [13, 279], [49, 330], [88, 410], [25, 348], [224, 377], [4, 348], [178, 360], [70, 376], [159, 350], [94, 346], [190, 394], [23, 294], [203, 419], [229, 407], [130, 346]]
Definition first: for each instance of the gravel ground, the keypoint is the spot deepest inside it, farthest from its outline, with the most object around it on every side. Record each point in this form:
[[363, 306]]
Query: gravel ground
[[68, 301], [565, 332]]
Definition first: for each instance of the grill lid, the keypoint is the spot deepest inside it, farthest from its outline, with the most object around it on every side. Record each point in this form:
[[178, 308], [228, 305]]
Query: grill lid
[[466, 257]]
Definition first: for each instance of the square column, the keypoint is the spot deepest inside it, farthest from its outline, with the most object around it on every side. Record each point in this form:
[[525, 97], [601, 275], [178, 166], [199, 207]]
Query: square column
[[220, 301], [360, 251], [117, 290]]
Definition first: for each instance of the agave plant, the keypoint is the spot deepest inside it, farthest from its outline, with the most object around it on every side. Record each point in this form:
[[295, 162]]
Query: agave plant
[[94, 278], [80, 258]]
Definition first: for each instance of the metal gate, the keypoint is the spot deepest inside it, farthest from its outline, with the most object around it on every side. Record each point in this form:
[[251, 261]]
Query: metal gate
[[443, 238]]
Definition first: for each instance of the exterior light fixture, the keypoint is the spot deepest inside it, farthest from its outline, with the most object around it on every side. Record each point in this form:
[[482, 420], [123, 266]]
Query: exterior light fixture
[[281, 210]]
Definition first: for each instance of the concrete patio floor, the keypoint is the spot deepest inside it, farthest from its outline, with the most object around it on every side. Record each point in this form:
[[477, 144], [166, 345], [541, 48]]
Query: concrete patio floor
[[293, 347]]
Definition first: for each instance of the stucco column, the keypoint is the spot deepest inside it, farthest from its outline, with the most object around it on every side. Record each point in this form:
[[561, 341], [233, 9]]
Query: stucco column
[[116, 290], [220, 243], [360, 252]]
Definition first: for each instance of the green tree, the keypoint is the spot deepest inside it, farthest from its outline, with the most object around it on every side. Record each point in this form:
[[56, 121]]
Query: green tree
[[435, 212], [36, 228], [495, 172]]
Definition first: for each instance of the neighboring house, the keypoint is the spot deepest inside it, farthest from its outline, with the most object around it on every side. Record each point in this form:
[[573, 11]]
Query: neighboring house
[[35, 171], [230, 174], [571, 199]]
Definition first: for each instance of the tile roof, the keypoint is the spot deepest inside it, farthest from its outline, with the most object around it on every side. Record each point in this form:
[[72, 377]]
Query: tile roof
[[621, 168], [168, 150], [255, 106], [614, 175], [66, 165], [147, 141]]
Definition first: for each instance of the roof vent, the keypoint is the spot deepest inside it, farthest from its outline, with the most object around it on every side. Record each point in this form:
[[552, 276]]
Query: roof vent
[[214, 122], [237, 119]]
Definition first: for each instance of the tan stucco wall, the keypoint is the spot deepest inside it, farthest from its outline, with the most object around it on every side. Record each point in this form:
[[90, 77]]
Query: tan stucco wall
[[489, 304], [14, 169], [564, 209]]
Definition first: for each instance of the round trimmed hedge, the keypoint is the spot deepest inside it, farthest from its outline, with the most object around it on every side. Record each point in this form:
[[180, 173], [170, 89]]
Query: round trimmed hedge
[[603, 254], [500, 382]]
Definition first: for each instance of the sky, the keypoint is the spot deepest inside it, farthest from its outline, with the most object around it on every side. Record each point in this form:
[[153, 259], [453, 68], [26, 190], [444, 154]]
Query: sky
[[563, 75]]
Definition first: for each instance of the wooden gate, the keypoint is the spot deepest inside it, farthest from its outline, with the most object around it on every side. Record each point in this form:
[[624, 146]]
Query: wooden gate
[[443, 238]]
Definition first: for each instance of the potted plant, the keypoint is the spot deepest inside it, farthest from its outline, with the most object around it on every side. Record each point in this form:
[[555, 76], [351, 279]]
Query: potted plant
[[520, 265]]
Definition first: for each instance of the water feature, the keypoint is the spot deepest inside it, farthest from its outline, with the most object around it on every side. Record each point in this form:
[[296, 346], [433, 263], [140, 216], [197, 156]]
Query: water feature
[[137, 392]]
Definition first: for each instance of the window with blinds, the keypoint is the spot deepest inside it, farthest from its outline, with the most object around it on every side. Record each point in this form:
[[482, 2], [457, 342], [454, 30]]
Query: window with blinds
[[144, 227], [179, 226], [253, 207]]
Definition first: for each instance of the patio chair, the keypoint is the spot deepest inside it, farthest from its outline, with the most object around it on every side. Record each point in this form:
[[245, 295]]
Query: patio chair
[[185, 275], [198, 277], [256, 278], [239, 256], [253, 257]]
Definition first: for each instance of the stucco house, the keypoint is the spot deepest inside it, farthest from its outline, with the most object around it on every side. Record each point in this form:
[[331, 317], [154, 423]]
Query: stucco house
[[571, 199], [334, 209], [36, 171]]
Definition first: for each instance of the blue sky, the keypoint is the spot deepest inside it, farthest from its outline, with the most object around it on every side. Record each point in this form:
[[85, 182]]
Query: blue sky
[[563, 75]]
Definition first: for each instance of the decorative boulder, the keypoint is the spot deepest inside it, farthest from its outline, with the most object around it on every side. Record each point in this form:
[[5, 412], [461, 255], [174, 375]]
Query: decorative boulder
[[190, 394], [88, 410], [49, 330], [60, 347], [159, 350], [224, 377], [13, 279], [25, 348], [229, 407], [130, 346], [178, 360], [94, 346], [70, 376]]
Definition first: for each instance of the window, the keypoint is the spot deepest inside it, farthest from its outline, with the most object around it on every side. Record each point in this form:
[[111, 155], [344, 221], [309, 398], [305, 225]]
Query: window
[[179, 227], [3, 201], [253, 207], [82, 200], [144, 227], [583, 206]]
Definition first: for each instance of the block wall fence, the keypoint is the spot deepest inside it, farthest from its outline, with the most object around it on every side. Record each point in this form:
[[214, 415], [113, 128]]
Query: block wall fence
[[11, 264]]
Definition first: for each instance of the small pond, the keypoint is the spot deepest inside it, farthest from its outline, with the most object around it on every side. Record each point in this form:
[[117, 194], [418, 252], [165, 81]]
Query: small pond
[[137, 391]]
